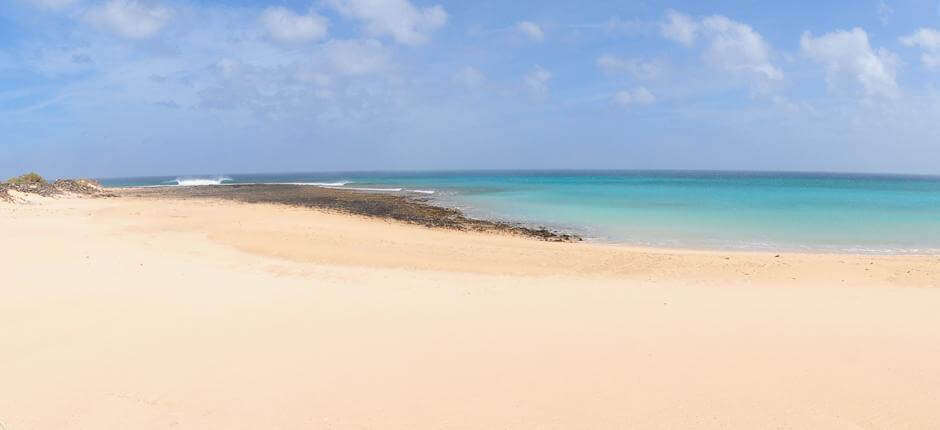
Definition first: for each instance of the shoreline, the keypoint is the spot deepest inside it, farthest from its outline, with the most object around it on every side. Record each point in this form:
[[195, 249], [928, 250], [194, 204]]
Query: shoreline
[[299, 225], [409, 209], [422, 210]]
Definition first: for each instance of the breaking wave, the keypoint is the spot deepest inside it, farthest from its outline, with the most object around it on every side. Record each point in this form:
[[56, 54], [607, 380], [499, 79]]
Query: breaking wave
[[395, 190], [316, 184], [218, 180]]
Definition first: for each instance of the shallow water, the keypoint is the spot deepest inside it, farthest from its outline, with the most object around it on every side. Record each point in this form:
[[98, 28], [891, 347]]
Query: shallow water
[[728, 210]]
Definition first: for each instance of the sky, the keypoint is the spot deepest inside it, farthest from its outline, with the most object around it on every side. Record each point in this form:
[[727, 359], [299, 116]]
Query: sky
[[106, 88]]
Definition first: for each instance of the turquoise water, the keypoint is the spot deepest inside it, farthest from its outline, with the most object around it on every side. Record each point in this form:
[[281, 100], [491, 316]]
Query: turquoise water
[[727, 210]]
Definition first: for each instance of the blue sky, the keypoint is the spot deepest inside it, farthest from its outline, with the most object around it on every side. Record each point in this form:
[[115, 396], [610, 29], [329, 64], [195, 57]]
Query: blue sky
[[148, 87]]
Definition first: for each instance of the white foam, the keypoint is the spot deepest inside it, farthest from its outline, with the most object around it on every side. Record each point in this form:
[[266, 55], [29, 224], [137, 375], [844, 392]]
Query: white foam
[[392, 190], [315, 184], [188, 182], [422, 191]]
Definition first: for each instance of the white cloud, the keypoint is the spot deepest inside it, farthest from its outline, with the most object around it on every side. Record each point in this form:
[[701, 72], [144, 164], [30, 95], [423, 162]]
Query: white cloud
[[927, 39], [736, 47], [356, 57], [217, 62], [733, 47], [349, 75], [531, 30], [537, 81], [640, 69], [51, 4], [286, 26], [469, 77], [134, 19], [848, 53], [679, 27], [400, 19], [639, 96]]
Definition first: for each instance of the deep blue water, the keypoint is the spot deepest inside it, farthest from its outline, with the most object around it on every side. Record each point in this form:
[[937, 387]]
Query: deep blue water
[[737, 210]]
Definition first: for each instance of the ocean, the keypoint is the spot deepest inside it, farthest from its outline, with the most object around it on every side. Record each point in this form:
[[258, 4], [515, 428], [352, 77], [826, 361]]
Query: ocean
[[812, 212]]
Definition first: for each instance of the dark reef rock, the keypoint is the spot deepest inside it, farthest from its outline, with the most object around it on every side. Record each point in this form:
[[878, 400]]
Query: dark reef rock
[[380, 205]]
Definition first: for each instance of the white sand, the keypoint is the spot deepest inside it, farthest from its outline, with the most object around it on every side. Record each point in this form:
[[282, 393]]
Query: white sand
[[137, 314]]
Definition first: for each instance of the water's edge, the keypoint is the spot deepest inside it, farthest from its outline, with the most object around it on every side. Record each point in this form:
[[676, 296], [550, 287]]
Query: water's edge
[[727, 211]]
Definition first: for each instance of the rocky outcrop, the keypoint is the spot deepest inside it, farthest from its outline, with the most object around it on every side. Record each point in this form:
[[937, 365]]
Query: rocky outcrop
[[399, 208], [78, 186], [84, 187]]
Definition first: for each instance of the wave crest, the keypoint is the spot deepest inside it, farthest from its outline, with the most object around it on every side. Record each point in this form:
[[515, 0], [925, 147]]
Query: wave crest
[[186, 182], [392, 190], [316, 184]]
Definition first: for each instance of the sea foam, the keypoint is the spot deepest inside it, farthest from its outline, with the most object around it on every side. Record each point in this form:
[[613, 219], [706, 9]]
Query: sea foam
[[316, 184], [186, 182], [393, 190]]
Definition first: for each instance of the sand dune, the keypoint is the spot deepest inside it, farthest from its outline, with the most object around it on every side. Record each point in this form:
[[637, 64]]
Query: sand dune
[[154, 314]]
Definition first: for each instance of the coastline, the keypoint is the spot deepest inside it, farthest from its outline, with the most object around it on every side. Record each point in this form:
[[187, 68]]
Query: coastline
[[506, 248], [420, 209], [414, 210], [154, 312], [711, 210], [380, 230]]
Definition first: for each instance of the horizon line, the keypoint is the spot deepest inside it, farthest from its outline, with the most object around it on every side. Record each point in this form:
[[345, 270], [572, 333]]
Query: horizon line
[[530, 170]]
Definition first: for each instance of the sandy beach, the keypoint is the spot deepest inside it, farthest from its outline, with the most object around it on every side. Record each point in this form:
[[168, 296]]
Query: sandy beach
[[143, 312]]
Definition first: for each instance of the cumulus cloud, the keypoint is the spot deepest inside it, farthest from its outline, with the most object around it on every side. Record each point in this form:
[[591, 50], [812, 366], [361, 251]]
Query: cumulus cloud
[[639, 96], [400, 19], [286, 26], [848, 54], [469, 77], [531, 30], [736, 47], [927, 39], [679, 27], [133, 19], [537, 81], [640, 69], [732, 46], [51, 4]]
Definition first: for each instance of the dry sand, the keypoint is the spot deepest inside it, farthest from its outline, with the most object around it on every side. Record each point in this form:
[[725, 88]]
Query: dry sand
[[154, 314]]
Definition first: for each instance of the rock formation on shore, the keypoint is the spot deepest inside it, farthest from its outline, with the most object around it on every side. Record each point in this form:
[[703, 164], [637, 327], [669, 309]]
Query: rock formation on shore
[[33, 184], [379, 205]]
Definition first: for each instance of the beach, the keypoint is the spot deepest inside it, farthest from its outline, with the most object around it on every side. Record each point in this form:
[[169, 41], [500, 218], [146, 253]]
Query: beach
[[150, 310]]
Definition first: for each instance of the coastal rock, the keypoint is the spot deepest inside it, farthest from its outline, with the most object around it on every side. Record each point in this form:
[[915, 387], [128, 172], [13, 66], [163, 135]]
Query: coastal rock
[[83, 187], [78, 186], [379, 205]]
